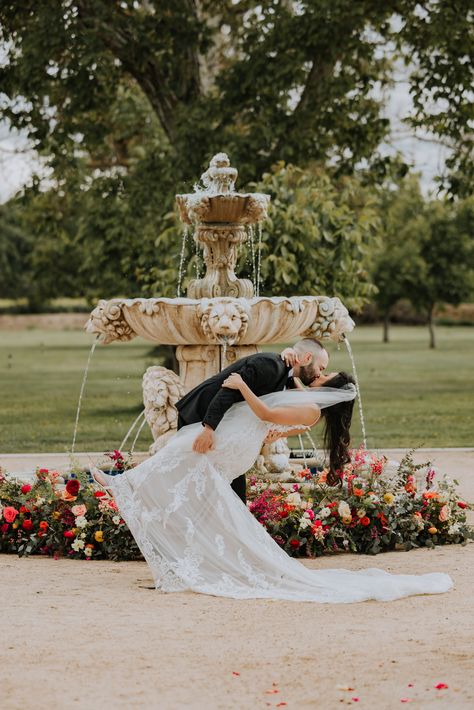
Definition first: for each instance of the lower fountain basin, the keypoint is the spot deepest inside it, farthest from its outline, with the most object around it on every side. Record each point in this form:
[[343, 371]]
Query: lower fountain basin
[[234, 321]]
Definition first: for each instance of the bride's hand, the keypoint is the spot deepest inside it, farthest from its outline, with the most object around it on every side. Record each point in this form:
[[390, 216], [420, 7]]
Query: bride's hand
[[273, 435], [233, 382]]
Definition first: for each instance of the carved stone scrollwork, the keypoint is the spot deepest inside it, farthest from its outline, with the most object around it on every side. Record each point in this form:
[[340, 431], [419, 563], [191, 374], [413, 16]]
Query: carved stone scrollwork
[[162, 388], [332, 321], [107, 321], [224, 319]]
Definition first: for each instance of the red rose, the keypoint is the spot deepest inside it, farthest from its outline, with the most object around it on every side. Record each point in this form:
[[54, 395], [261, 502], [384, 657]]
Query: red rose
[[72, 487], [365, 520], [44, 525], [461, 504], [99, 494], [68, 533], [10, 513], [294, 543], [24, 509], [44, 470], [26, 488], [5, 527], [27, 524], [283, 514]]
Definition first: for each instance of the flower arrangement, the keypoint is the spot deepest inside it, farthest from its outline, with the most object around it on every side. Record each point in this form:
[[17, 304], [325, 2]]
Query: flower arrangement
[[72, 520], [370, 512]]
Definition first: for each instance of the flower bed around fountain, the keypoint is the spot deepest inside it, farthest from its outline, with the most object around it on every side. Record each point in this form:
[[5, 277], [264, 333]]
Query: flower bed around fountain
[[373, 511]]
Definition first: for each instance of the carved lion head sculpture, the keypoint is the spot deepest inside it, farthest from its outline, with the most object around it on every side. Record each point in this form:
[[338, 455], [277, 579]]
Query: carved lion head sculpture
[[224, 319]]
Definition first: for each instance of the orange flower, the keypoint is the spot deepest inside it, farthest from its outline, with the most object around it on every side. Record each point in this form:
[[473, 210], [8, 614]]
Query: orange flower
[[322, 477], [428, 495], [44, 525], [365, 521], [358, 492], [67, 496], [432, 530]]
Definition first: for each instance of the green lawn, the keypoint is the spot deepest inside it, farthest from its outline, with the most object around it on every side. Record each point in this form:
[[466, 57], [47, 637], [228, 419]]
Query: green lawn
[[412, 396]]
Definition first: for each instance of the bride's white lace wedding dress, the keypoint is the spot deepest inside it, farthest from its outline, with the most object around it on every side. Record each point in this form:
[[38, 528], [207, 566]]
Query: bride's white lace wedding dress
[[196, 534]]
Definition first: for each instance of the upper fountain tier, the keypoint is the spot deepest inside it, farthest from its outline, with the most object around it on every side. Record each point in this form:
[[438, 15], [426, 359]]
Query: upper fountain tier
[[220, 308], [218, 203]]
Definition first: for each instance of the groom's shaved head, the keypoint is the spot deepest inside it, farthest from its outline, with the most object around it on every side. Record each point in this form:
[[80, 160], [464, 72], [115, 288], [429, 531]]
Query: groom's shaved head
[[310, 345], [314, 359]]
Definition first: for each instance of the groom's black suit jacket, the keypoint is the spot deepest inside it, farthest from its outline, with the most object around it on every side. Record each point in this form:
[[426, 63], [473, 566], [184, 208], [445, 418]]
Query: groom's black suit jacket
[[209, 401]]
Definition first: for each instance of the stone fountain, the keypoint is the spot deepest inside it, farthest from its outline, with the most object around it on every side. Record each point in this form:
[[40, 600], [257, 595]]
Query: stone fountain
[[221, 319]]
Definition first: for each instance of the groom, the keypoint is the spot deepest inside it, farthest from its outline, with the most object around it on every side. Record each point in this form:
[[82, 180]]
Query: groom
[[263, 373]]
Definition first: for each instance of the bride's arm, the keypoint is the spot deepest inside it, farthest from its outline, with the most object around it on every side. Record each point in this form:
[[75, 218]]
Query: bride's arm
[[306, 415]]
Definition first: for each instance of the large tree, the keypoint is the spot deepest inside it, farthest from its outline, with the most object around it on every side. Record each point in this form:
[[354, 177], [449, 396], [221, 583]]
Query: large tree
[[266, 80]]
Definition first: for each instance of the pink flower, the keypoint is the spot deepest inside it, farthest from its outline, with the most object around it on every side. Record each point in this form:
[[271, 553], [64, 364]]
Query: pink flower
[[296, 486], [444, 513], [78, 510]]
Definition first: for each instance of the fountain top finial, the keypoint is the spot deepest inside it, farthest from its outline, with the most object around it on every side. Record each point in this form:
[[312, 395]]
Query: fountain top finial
[[220, 177]]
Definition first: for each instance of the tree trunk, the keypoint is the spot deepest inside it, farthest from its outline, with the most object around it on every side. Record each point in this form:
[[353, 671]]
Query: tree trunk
[[431, 326], [386, 324]]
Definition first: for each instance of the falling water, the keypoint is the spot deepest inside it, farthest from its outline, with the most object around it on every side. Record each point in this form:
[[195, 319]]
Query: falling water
[[181, 260], [224, 340], [84, 380], [196, 262], [137, 435], [259, 258], [302, 450], [122, 445], [359, 400], [251, 246]]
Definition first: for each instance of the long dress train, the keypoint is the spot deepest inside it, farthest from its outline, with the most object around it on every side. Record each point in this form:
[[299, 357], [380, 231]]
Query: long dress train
[[196, 534]]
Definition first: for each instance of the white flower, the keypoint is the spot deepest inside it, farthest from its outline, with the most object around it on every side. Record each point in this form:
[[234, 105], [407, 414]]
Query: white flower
[[324, 513], [361, 512], [81, 521], [78, 545], [40, 501], [344, 509], [116, 519], [293, 498], [454, 528], [88, 551], [304, 523]]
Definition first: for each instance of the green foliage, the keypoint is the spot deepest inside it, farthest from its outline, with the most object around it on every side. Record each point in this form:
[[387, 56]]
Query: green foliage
[[398, 264], [319, 235]]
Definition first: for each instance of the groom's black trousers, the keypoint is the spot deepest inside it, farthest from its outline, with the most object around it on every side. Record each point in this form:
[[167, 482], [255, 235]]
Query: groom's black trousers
[[239, 484]]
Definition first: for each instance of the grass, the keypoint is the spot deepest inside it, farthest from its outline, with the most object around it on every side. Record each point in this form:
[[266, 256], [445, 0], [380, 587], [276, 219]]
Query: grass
[[412, 396]]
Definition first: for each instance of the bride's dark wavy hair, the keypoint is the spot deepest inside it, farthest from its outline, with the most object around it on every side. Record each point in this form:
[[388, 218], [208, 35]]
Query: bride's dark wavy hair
[[337, 439]]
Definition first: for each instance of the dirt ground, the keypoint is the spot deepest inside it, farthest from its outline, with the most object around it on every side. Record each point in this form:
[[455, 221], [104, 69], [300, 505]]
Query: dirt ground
[[77, 634]]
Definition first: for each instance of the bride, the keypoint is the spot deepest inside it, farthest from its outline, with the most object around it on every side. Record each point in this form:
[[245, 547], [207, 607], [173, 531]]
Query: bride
[[196, 534]]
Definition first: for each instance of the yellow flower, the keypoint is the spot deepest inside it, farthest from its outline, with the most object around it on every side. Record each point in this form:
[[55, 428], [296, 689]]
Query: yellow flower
[[14, 526], [99, 536], [432, 530], [56, 515], [347, 519], [389, 498]]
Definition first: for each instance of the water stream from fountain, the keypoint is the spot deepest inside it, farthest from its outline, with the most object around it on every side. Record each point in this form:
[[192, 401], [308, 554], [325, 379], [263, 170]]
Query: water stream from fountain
[[181, 260], [81, 392], [251, 246], [259, 258], [359, 400], [122, 445], [196, 255], [137, 435]]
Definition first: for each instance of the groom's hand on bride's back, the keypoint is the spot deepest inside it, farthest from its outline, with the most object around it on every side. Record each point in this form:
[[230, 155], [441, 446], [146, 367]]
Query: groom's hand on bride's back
[[290, 356], [204, 441]]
